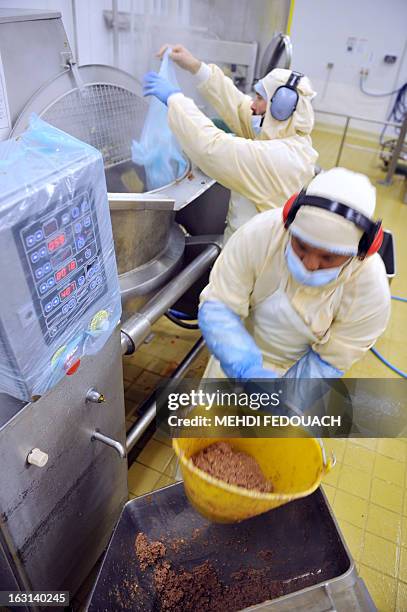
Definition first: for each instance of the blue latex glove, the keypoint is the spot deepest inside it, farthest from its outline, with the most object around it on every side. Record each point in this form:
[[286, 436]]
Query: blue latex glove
[[156, 85], [311, 365], [305, 395], [230, 342]]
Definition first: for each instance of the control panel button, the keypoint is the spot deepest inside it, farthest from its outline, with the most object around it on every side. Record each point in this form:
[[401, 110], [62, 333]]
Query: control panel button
[[85, 206], [88, 253], [55, 301], [34, 257], [75, 212], [43, 287], [100, 321], [39, 273], [78, 227], [30, 240], [39, 235], [80, 242], [81, 280], [48, 307], [57, 355], [87, 221], [42, 252], [71, 303], [65, 218], [73, 368], [51, 282], [65, 309], [47, 267], [37, 457]]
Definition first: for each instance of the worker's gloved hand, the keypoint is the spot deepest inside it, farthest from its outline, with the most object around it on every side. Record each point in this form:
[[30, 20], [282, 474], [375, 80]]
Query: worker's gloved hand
[[311, 365], [158, 86], [182, 57], [229, 341]]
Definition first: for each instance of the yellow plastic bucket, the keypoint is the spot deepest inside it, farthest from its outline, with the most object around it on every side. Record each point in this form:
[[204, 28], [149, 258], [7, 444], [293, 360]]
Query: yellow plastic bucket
[[294, 465]]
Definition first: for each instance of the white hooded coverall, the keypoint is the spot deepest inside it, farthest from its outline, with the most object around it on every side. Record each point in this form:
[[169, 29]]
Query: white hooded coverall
[[339, 321], [262, 171]]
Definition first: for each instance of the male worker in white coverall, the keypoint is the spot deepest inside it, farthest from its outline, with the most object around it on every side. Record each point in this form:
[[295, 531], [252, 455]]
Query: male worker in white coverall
[[299, 291], [271, 155]]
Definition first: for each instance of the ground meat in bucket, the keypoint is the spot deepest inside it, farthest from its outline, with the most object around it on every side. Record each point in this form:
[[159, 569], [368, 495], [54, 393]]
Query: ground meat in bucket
[[234, 467]]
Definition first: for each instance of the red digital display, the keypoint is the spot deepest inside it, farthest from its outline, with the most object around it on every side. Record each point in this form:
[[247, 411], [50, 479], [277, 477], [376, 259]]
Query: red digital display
[[66, 292], [55, 243], [60, 274]]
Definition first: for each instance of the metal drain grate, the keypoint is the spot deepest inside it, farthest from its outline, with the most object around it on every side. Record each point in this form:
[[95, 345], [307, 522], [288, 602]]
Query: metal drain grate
[[105, 116]]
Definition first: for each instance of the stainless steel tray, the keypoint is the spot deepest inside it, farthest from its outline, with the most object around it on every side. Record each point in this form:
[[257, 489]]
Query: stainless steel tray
[[299, 543]]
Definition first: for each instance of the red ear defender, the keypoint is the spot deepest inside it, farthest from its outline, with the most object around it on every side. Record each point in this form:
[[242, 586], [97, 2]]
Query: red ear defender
[[287, 207], [377, 242]]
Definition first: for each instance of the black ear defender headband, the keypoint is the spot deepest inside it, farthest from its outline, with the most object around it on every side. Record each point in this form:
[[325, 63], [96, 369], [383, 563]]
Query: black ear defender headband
[[285, 98], [372, 237]]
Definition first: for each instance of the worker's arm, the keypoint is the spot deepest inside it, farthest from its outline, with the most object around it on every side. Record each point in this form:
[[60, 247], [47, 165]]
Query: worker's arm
[[225, 301], [362, 318], [230, 103], [254, 168]]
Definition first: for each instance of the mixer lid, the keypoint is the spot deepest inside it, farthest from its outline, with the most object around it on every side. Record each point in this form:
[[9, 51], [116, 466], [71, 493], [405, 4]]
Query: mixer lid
[[100, 105], [278, 54]]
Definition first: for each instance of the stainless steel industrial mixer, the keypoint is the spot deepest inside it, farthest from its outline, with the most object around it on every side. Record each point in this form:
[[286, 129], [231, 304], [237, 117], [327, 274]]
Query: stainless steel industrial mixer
[[56, 515], [104, 107]]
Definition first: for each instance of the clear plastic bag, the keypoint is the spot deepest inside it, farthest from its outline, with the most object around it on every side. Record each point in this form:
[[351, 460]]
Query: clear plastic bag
[[158, 151], [60, 295]]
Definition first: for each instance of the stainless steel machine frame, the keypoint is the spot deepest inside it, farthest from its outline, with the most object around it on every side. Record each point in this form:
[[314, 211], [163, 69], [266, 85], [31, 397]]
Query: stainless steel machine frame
[[59, 504], [56, 519]]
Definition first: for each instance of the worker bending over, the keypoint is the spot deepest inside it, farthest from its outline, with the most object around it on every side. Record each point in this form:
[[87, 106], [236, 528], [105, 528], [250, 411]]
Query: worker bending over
[[299, 291], [271, 155]]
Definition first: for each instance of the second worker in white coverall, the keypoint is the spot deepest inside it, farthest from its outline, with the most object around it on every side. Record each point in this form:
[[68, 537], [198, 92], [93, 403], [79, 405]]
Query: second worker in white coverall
[[266, 159], [301, 291]]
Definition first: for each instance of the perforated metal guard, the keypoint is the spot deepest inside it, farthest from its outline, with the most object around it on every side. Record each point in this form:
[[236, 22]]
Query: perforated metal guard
[[105, 116]]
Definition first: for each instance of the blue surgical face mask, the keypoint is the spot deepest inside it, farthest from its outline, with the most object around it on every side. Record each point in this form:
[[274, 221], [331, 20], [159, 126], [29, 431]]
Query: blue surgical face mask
[[317, 278], [257, 121]]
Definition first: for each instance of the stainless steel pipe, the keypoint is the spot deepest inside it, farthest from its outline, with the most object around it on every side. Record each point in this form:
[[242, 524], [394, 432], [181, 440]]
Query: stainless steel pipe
[[136, 329], [135, 433]]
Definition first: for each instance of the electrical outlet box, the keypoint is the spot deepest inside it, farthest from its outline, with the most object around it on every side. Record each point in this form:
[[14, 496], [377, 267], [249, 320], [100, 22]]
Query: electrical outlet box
[[390, 59]]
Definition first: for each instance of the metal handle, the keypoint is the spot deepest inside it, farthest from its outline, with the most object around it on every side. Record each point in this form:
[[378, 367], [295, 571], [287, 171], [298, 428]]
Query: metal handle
[[150, 406], [138, 327], [118, 446], [288, 50]]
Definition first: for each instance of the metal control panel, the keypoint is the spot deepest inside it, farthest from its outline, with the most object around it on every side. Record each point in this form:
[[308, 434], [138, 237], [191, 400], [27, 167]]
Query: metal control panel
[[62, 256], [60, 290]]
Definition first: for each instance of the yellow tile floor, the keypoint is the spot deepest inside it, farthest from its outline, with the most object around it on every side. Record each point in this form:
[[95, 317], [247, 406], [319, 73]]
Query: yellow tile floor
[[367, 487]]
